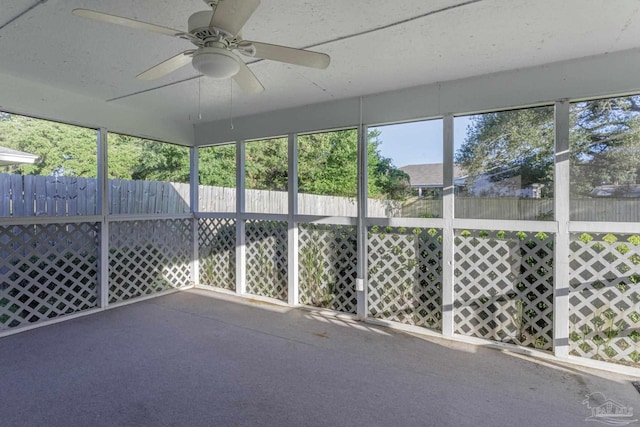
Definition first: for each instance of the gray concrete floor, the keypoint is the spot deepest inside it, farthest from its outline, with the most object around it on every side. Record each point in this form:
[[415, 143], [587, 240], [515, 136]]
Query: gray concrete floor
[[198, 358]]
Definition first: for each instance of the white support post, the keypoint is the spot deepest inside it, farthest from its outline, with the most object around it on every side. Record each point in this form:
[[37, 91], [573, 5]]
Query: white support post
[[194, 182], [362, 269], [562, 244], [292, 252], [448, 242], [241, 250], [103, 211]]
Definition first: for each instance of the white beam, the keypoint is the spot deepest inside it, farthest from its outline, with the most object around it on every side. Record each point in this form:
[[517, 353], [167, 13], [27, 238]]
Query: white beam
[[562, 244], [448, 245], [361, 250], [292, 251], [241, 250], [103, 211], [194, 183]]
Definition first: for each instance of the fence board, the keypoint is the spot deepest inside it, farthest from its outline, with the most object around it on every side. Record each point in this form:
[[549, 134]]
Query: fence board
[[137, 197], [62, 195], [124, 196], [172, 200], [72, 196], [146, 197], [158, 191], [5, 197], [29, 192], [114, 196], [17, 201], [40, 196], [92, 196], [81, 191], [131, 188]]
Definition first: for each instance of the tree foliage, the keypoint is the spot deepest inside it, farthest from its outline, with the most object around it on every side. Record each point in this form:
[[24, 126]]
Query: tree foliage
[[328, 162], [162, 162], [124, 154], [266, 164], [385, 179], [604, 141], [217, 165], [510, 143], [61, 149]]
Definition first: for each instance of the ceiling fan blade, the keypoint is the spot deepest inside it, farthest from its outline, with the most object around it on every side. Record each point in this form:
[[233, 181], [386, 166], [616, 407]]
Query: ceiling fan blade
[[306, 58], [231, 15], [166, 67], [127, 22], [247, 81]]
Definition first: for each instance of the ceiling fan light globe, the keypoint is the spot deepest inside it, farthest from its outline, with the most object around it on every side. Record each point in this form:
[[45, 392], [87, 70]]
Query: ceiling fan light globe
[[216, 63]]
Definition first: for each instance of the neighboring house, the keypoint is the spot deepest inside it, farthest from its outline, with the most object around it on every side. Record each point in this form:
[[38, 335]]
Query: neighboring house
[[15, 157], [487, 185], [631, 190], [428, 178]]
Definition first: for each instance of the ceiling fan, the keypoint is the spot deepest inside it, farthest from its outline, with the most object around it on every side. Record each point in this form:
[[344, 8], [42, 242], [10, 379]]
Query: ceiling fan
[[216, 35]]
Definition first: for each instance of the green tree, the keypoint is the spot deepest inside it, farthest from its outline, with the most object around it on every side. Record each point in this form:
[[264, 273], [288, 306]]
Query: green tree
[[328, 163], [509, 143], [384, 178], [125, 154], [162, 162], [218, 165], [266, 164], [604, 140], [605, 143], [61, 149]]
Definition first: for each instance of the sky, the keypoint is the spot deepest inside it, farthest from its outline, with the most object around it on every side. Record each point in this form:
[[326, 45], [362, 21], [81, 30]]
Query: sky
[[418, 142]]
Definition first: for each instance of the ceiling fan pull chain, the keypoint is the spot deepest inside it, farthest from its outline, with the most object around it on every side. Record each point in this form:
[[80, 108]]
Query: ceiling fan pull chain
[[231, 101], [199, 99]]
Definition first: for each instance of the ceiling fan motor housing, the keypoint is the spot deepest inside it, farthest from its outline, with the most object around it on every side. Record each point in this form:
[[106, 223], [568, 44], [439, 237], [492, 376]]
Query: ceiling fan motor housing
[[216, 62]]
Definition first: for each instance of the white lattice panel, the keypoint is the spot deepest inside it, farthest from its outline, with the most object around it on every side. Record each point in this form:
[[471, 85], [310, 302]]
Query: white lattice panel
[[405, 275], [604, 304], [504, 286], [46, 271], [217, 252], [267, 258], [327, 266], [148, 256]]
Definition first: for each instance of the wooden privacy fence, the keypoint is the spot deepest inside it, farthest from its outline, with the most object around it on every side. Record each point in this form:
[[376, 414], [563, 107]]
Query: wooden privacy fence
[[483, 208], [605, 209], [35, 195], [144, 197], [38, 195], [220, 199], [596, 209]]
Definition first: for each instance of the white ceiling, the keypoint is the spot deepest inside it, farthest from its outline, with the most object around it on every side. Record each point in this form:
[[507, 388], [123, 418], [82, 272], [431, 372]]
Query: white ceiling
[[375, 46]]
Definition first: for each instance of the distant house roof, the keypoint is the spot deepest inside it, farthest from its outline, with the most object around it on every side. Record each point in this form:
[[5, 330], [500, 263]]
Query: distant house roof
[[429, 174], [15, 157], [632, 190]]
